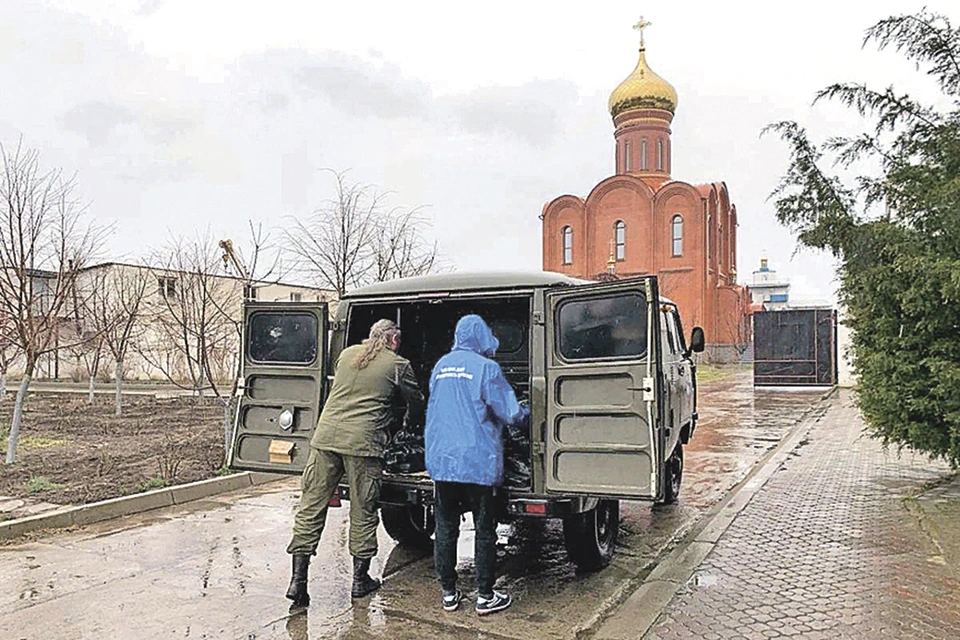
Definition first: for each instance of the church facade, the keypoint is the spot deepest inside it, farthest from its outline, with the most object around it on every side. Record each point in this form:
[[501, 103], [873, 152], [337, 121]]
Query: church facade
[[641, 221]]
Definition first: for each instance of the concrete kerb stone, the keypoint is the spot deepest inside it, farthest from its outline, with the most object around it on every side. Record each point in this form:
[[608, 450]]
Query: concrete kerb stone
[[129, 505], [637, 614]]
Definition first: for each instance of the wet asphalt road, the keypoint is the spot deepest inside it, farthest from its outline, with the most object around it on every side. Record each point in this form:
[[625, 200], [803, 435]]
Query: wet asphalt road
[[217, 568]]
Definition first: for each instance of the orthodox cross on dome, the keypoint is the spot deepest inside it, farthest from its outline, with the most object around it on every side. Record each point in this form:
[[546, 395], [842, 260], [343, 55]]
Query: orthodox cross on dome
[[640, 26]]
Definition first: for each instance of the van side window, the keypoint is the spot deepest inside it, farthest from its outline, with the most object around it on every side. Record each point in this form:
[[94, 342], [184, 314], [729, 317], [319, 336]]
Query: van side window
[[668, 343], [612, 326], [677, 328]]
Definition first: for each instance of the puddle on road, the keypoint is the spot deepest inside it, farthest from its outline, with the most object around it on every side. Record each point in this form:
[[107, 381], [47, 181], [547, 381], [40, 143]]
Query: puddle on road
[[236, 551]]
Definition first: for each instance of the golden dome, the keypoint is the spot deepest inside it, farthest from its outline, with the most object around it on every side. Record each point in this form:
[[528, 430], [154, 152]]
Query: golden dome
[[643, 89]]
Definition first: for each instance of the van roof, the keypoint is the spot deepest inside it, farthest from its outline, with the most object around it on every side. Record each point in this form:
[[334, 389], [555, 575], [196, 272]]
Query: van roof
[[470, 281], [461, 281]]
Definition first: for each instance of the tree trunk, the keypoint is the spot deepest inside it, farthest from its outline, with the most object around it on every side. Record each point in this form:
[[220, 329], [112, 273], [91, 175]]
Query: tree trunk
[[227, 430], [3, 384], [118, 374], [17, 417], [90, 393]]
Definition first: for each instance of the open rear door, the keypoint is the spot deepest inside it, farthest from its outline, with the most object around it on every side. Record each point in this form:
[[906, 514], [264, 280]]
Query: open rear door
[[601, 437], [284, 368]]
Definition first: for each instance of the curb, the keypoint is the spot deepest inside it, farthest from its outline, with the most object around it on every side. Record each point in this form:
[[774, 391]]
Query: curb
[[129, 505], [638, 612]]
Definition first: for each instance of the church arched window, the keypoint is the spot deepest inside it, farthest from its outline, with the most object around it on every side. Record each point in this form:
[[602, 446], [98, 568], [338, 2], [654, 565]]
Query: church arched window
[[720, 260], [567, 245], [659, 155], [676, 227], [620, 239], [627, 160], [643, 155]]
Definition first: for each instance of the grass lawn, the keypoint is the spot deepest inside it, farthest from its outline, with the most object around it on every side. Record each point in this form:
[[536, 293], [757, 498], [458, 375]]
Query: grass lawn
[[709, 372]]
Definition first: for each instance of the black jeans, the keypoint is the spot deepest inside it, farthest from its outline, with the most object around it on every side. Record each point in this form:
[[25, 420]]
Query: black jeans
[[453, 499]]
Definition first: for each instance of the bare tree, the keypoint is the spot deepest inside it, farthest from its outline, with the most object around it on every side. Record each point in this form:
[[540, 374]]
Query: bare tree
[[8, 350], [84, 340], [353, 239], [85, 346], [187, 313], [257, 262], [44, 242], [197, 315], [115, 311], [737, 325], [400, 249]]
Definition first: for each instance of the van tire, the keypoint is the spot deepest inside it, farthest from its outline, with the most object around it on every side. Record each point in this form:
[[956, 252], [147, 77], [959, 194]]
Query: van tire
[[673, 476], [591, 537], [410, 525]]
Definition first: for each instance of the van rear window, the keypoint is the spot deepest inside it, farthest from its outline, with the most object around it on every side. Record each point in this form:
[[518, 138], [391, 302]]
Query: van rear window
[[282, 337], [613, 326]]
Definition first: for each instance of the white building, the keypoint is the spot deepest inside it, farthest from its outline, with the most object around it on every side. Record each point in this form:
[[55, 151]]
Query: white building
[[176, 307], [768, 290]]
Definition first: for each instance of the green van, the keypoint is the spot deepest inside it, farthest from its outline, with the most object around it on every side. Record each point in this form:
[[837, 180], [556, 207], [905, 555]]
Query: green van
[[605, 367]]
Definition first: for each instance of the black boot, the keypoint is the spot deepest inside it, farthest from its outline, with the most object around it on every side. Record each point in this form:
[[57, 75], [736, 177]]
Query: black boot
[[297, 591], [363, 584]]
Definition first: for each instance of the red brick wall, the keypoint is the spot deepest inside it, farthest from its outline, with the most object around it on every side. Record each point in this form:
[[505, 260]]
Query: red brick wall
[[698, 280], [646, 200]]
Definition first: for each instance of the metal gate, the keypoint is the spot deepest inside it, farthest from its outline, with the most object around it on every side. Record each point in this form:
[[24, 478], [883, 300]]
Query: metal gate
[[795, 347]]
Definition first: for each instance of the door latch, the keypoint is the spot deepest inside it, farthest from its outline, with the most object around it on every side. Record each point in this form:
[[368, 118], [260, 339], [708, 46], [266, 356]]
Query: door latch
[[647, 389]]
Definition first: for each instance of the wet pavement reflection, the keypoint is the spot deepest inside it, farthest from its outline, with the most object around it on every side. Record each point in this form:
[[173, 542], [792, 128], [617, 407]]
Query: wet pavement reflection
[[217, 568]]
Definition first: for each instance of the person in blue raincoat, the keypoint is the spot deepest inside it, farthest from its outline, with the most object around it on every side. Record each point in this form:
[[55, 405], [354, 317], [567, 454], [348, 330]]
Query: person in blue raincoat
[[470, 402]]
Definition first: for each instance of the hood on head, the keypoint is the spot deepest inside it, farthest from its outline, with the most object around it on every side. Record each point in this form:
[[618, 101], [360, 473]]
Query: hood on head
[[473, 334]]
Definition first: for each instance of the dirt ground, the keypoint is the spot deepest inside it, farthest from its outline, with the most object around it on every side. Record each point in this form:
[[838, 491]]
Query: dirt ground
[[71, 452]]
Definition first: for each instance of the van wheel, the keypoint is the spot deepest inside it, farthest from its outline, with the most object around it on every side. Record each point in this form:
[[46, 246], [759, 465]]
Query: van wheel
[[591, 537], [673, 476], [411, 524]]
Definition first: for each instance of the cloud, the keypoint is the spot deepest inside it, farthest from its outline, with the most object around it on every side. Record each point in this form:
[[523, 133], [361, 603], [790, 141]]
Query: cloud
[[531, 112], [149, 7], [96, 120], [361, 89]]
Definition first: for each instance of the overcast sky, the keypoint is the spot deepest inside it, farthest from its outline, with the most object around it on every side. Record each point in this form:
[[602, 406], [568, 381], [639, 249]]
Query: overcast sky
[[187, 115]]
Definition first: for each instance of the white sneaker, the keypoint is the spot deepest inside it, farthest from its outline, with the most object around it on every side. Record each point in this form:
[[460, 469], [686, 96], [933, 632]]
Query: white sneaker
[[497, 602]]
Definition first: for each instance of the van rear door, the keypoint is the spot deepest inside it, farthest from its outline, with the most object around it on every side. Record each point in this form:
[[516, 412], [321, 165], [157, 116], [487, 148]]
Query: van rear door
[[284, 366], [601, 433]]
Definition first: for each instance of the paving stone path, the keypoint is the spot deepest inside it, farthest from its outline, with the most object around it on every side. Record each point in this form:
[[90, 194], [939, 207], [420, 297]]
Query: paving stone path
[[829, 548]]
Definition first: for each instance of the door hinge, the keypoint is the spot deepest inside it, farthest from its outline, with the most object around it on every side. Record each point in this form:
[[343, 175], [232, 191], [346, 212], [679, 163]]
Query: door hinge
[[538, 448], [538, 317]]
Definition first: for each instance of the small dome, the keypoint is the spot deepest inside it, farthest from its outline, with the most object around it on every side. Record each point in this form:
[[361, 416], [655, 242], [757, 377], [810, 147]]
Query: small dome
[[643, 89]]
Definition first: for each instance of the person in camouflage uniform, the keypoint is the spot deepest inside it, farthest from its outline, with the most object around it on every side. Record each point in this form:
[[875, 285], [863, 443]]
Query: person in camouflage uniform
[[350, 438]]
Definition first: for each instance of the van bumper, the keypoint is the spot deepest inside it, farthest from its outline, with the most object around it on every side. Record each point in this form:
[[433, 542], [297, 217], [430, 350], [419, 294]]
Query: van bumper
[[516, 507], [548, 508]]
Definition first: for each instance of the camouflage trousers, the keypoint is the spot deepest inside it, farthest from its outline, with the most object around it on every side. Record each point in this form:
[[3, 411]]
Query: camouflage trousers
[[319, 482]]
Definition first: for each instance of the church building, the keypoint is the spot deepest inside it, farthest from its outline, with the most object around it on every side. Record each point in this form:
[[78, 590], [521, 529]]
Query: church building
[[642, 221]]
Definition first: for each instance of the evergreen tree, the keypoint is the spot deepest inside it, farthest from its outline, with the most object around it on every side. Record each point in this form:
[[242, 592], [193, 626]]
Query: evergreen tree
[[895, 230]]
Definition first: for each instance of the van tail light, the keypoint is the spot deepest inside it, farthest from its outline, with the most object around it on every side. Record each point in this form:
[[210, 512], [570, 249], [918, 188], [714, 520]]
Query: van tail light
[[537, 508]]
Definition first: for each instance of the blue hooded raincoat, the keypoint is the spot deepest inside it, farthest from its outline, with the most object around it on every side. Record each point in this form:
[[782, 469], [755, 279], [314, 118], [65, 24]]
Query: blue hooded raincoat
[[470, 402]]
